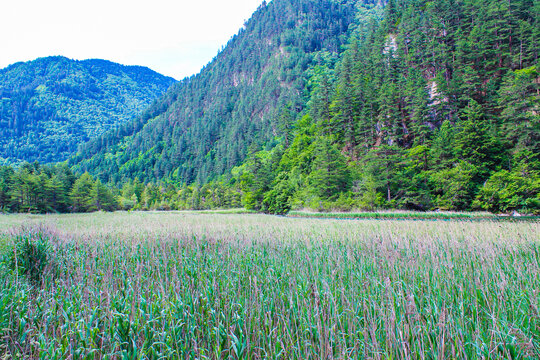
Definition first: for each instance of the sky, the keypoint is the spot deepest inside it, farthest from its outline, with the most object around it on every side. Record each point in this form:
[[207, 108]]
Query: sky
[[173, 37]]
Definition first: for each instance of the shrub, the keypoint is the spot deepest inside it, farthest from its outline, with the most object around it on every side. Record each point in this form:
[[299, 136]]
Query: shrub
[[278, 200], [31, 255], [506, 191]]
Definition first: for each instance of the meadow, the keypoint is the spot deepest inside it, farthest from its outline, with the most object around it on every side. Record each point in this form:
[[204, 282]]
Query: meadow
[[181, 285]]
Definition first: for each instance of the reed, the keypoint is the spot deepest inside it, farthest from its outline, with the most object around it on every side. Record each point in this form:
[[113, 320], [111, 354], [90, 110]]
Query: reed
[[216, 286]]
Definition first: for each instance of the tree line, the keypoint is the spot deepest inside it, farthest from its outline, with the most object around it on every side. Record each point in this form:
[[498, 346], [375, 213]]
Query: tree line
[[36, 188]]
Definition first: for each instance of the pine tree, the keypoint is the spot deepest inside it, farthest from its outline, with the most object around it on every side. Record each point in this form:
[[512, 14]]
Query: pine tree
[[101, 198], [330, 174], [443, 148], [56, 195], [519, 98], [474, 144], [80, 195]]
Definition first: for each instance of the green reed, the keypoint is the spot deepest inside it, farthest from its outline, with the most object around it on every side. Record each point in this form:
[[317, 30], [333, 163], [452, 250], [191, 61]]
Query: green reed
[[207, 286]]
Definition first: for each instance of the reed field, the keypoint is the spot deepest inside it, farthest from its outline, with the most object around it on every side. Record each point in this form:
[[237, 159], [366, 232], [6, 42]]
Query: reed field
[[180, 285]]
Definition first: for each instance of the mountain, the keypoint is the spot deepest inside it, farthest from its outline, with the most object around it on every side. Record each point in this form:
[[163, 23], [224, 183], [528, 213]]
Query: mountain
[[49, 106], [340, 105], [245, 98], [437, 106]]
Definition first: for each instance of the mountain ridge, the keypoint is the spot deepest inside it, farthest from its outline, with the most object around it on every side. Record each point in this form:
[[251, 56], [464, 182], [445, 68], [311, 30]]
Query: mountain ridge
[[210, 120], [50, 105]]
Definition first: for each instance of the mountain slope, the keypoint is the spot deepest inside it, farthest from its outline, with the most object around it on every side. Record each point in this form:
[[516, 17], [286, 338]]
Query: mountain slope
[[246, 97], [435, 107], [430, 105], [51, 105]]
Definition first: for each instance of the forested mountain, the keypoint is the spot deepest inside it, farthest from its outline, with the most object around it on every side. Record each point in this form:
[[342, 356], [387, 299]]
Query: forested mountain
[[248, 96], [436, 106], [51, 105], [320, 104]]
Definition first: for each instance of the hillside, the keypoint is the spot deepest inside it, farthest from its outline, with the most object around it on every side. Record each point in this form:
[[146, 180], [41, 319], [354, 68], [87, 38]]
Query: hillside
[[49, 106], [245, 98], [435, 107], [338, 106]]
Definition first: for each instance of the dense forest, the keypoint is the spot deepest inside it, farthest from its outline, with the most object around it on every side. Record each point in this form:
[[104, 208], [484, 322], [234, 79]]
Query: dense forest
[[39, 188], [247, 97], [49, 106], [36, 188], [436, 106], [406, 104]]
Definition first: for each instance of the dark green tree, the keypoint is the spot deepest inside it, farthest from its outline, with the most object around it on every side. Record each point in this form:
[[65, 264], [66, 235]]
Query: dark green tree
[[329, 175], [81, 194]]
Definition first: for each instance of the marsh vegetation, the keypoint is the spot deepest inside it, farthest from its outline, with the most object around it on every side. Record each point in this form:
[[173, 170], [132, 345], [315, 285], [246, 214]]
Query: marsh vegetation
[[213, 286]]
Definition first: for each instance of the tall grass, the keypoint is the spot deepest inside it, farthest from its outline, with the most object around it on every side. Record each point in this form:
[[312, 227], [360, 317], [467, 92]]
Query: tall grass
[[186, 286], [412, 215]]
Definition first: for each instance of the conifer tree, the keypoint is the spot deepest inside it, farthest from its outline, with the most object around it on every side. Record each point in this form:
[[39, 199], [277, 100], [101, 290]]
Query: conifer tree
[[80, 195]]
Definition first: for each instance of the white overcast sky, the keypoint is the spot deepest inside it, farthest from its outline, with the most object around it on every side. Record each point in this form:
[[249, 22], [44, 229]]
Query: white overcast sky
[[174, 37]]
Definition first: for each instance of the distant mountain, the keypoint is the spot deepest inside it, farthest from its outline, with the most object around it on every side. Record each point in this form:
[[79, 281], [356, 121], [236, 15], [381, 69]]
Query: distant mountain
[[49, 106], [245, 98]]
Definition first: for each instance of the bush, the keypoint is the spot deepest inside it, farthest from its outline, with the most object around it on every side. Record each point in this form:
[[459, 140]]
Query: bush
[[505, 191], [31, 255], [278, 200]]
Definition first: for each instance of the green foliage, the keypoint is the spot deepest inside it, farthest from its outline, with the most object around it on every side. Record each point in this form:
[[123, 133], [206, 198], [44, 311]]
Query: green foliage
[[248, 96], [101, 198], [31, 256], [331, 105], [329, 175], [278, 200], [473, 142], [431, 115], [454, 188], [368, 198], [520, 103], [257, 175], [81, 193], [505, 190], [50, 106], [443, 151], [39, 188]]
